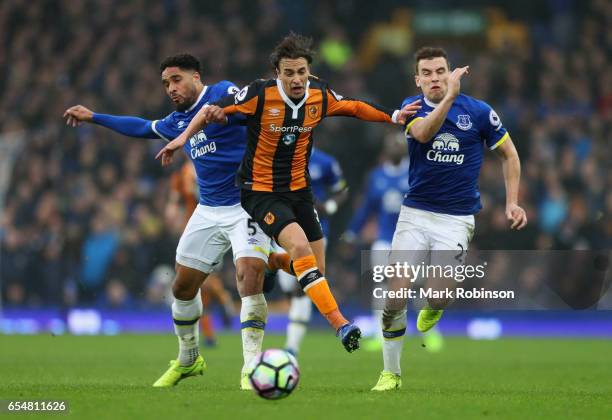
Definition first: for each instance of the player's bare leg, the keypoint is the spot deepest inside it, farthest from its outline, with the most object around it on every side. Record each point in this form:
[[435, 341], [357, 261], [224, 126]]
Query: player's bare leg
[[186, 312], [253, 311], [305, 265]]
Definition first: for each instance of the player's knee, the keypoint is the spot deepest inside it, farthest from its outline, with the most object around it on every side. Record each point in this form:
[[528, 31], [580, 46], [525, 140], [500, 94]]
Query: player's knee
[[187, 283], [184, 290], [249, 276]]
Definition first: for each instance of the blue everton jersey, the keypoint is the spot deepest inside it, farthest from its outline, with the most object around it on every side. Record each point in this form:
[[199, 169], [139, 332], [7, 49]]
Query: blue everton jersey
[[444, 171], [387, 185], [326, 179], [216, 151]]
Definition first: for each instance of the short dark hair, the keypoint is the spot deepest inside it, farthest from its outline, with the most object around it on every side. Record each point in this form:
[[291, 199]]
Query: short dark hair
[[182, 61], [425, 53], [293, 46]]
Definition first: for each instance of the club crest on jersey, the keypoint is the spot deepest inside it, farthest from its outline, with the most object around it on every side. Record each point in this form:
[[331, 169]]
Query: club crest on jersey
[[313, 111], [444, 148], [289, 139], [269, 219], [463, 122]]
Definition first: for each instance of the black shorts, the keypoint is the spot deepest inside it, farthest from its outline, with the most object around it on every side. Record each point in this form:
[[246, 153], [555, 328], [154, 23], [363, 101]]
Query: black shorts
[[275, 210]]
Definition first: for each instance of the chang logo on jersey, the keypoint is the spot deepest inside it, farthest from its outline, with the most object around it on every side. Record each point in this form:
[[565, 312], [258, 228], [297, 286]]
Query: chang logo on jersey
[[293, 129], [198, 148], [443, 149], [201, 151], [197, 138]]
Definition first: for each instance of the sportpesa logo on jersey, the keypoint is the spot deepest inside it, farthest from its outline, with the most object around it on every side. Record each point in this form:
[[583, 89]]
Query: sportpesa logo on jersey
[[444, 149], [289, 133]]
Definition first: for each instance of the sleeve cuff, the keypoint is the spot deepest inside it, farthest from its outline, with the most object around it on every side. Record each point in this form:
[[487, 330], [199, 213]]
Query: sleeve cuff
[[394, 116], [500, 141], [154, 128], [409, 125]]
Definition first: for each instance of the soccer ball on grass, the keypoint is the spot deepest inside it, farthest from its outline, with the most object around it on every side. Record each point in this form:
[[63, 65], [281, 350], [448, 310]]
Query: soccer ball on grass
[[275, 374]]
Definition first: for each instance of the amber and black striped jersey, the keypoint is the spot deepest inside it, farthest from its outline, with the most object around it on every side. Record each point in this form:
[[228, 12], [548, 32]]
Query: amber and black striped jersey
[[279, 131]]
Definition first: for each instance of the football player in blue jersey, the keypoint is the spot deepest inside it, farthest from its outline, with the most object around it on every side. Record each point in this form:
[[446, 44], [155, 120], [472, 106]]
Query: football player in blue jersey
[[218, 222], [445, 141], [330, 191], [386, 187]]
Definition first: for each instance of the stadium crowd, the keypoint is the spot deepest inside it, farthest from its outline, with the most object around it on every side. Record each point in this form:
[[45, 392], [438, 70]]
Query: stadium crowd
[[85, 219]]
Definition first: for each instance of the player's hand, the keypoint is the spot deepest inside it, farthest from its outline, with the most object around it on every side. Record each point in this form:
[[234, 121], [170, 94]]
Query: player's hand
[[454, 81], [168, 151], [408, 111], [517, 216], [214, 114], [77, 114]]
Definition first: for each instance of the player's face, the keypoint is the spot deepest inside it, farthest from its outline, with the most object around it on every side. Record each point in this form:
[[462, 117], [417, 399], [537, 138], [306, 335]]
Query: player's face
[[181, 86], [432, 78], [293, 74]]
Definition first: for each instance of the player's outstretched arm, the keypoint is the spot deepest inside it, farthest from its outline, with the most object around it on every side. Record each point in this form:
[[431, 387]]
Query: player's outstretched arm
[[423, 129], [367, 111], [511, 166], [126, 125]]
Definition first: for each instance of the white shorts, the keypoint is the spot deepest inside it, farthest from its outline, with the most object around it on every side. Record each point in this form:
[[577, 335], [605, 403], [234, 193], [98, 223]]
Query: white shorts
[[210, 233], [426, 231]]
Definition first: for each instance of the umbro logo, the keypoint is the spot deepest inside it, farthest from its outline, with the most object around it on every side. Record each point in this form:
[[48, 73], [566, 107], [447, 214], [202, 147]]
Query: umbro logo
[[312, 276], [274, 112]]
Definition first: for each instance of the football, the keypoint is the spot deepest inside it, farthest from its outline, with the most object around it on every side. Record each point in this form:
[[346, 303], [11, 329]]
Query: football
[[275, 374]]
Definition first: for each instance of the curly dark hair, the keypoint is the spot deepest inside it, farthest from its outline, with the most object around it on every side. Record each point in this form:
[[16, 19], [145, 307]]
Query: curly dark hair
[[182, 61], [425, 53], [293, 46]]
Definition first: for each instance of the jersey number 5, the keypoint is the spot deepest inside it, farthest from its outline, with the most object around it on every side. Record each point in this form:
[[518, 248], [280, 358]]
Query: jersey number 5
[[252, 227]]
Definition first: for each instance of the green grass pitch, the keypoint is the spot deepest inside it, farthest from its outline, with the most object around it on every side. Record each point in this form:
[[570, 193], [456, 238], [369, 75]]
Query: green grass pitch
[[111, 377]]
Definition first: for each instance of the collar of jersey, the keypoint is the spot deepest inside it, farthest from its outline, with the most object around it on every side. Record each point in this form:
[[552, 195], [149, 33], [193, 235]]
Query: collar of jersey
[[288, 100], [428, 102], [395, 170], [197, 100]]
